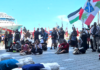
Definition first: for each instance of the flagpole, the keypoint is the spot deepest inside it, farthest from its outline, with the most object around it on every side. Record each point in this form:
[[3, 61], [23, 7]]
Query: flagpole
[[67, 26], [82, 25], [98, 18], [62, 22]]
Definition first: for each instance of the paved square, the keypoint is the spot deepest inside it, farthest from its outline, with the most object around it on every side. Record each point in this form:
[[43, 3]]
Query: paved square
[[88, 61]]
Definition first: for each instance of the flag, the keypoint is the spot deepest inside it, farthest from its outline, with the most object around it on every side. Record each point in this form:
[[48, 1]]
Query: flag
[[33, 32], [66, 32], [77, 32], [98, 4], [45, 29], [96, 0], [73, 17], [89, 11], [21, 31]]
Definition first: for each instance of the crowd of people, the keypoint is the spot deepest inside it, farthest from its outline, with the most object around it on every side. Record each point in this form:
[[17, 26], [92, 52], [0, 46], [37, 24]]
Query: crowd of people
[[26, 43]]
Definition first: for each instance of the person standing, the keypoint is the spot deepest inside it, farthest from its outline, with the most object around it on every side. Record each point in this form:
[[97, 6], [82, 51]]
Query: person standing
[[73, 38], [54, 37], [24, 29], [91, 37], [88, 39], [28, 34], [94, 31], [84, 39], [44, 35], [61, 36], [36, 35], [6, 39], [17, 35], [10, 36]]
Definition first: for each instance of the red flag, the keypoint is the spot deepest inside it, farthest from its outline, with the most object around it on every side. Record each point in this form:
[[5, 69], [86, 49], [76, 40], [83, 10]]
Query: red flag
[[45, 29], [6, 29], [77, 32], [66, 32], [81, 12], [33, 32], [89, 19], [95, 0], [21, 31], [34, 29]]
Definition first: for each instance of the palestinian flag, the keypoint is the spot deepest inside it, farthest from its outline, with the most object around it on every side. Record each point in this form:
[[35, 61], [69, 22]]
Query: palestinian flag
[[73, 17], [89, 11]]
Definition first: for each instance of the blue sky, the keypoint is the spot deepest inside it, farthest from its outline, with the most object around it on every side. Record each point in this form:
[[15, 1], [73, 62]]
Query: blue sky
[[31, 13]]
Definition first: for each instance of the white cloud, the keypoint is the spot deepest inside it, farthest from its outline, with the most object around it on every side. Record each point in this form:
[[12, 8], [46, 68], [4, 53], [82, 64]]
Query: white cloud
[[63, 17]]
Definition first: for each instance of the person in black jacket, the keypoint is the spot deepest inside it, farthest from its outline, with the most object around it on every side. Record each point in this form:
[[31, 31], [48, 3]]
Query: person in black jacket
[[36, 34], [17, 35], [10, 36], [25, 30], [88, 39], [73, 38], [54, 37], [6, 39], [61, 36], [84, 39]]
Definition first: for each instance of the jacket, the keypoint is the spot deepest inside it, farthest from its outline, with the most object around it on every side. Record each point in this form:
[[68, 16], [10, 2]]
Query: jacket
[[17, 35], [97, 30], [65, 46]]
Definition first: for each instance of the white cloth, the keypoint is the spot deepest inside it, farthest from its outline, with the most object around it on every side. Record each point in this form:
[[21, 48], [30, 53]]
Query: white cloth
[[5, 57], [41, 41], [91, 37], [22, 36], [53, 66], [17, 69], [39, 45], [25, 61]]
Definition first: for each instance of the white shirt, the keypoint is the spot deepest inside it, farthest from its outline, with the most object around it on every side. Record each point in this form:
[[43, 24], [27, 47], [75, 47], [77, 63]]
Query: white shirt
[[39, 45]]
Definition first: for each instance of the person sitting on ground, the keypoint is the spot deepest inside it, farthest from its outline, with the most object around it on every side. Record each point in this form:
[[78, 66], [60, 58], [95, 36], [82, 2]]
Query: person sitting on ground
[[79, 43], [25, 49], [44, 46], [37, 47], [79, 50], [16, 47], [63, 48]]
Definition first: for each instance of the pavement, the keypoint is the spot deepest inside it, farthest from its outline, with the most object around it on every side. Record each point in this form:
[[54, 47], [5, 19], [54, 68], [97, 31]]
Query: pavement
[[88, 61]]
